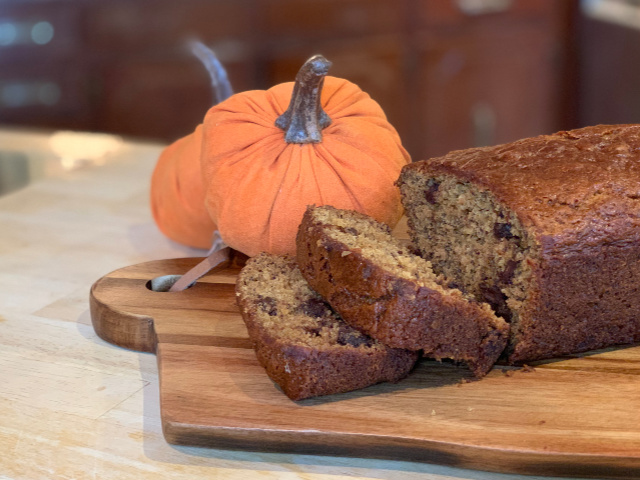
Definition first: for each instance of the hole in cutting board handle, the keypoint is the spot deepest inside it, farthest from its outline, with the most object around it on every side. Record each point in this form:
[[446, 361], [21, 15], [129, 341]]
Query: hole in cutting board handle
[[164, 283], [177, 283]]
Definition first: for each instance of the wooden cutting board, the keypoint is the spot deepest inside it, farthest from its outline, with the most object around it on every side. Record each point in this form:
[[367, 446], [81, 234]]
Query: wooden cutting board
[[577, 416]]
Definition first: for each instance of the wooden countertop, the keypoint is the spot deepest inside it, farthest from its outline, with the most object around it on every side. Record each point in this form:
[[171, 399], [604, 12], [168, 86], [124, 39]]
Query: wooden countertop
[[75, 407]]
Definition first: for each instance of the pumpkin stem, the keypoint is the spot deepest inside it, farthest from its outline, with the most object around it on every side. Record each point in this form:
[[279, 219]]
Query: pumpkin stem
[[304, 119], [217, 74]]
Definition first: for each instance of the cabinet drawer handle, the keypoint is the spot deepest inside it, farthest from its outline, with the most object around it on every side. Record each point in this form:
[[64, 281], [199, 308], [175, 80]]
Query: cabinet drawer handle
[[29, 94], [25, 33], [483, 120], [483, 7]]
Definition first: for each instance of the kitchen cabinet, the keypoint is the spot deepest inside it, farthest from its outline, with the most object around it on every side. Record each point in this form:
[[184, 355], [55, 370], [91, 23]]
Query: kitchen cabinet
[[43, 81], [449, 74]]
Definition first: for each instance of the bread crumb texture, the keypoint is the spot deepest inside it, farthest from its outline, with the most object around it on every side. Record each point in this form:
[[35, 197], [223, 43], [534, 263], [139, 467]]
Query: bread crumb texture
[[284, 304]]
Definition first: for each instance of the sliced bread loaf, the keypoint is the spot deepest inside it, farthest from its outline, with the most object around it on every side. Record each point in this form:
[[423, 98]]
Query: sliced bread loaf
[[371, 279]]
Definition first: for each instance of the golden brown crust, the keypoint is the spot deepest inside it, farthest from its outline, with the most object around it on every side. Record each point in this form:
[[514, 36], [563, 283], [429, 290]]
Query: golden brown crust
[[574, 189], [311, 369], [397, 311]]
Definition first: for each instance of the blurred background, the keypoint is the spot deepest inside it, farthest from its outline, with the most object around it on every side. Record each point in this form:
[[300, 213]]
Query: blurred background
[[450, 74]]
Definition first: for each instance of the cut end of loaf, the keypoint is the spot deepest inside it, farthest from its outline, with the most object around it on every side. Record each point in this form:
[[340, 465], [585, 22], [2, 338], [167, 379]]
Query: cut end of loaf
[[470, 237]]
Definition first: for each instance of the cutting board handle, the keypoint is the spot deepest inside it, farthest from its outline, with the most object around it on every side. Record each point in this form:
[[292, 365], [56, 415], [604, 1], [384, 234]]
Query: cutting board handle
[[124, 307]]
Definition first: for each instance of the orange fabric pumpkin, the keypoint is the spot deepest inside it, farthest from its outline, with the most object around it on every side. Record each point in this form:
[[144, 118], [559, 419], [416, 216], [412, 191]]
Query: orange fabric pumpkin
[[177, 193], [256, 186]]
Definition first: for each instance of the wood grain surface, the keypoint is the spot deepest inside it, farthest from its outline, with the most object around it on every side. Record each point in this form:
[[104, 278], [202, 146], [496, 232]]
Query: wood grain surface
[[575, 416]]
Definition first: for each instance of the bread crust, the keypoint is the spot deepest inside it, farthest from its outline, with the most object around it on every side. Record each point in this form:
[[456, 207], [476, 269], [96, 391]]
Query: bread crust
[[396, 311]]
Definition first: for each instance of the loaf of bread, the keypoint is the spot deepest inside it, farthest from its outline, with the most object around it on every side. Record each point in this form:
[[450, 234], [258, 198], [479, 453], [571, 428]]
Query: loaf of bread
[[304, 346], [545, 229], [385, 291]]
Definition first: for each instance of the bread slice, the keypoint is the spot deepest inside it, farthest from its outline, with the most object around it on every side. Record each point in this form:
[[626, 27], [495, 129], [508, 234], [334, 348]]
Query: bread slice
[[304, 346], [373, 281]]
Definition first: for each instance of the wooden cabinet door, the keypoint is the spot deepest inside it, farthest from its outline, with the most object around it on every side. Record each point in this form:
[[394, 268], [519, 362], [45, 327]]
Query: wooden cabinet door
[[485, 88]]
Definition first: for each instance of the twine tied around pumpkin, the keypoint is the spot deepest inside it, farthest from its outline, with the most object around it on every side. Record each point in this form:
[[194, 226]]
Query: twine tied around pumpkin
[[218, 253]]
